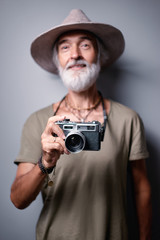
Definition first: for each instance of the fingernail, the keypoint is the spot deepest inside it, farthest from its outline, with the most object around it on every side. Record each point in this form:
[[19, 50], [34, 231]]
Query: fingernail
[[67, 152], [63, 116]]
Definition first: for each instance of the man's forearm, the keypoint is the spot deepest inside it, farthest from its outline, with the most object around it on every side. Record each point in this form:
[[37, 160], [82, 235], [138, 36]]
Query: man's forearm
[[142, 190], [144, 214], [26, 187]]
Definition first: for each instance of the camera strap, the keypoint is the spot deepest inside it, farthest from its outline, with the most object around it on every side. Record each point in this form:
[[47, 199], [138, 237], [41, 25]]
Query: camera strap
[[103, 127], [59, 106]]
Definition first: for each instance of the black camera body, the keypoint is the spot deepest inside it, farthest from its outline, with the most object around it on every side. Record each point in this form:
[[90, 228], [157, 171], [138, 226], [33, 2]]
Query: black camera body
[[81, 136]]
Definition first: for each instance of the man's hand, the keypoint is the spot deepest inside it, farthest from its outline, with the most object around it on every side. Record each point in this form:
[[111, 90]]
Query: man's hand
[[29, 177], [53, 147]]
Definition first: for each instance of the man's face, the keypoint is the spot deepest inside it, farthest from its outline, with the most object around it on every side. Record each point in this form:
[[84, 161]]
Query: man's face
[[76, 46], [77, 60]]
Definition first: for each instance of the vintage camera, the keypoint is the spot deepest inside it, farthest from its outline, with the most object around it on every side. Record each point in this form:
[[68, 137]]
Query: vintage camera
[[81, 136]]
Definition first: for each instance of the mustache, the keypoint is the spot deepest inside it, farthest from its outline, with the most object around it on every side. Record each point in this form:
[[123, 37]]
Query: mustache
[[76, 62]]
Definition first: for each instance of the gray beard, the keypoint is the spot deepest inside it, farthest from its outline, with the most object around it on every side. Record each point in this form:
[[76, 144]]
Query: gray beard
[[79, 80]]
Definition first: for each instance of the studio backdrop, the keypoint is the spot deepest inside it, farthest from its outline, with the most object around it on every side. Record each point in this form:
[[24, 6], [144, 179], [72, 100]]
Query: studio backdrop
[[134, 80]]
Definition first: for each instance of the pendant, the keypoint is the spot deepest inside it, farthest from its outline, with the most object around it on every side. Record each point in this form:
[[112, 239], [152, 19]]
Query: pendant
[[50, 183]]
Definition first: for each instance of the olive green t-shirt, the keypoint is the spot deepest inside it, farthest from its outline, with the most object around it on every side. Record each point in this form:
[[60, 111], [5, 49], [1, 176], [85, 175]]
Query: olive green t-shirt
[[88, 198]]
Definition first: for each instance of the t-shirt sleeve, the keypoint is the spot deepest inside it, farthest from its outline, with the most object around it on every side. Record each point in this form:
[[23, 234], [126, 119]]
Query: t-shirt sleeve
[[30, 148], [138, 147]]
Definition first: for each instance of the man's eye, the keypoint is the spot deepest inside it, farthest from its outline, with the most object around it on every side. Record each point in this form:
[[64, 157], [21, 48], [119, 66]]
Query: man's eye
[[64, 48], [85, 46]]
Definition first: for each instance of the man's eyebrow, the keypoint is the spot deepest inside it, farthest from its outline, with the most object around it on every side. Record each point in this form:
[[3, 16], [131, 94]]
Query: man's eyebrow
[[62, 41], [86, 38]]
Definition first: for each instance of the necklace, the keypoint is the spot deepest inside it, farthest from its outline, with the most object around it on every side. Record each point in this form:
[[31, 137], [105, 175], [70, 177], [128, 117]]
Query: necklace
[[79, 109], [79, 117], [74, 109]]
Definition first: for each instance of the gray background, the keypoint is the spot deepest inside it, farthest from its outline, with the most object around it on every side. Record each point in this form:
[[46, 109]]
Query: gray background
[[25, 87]]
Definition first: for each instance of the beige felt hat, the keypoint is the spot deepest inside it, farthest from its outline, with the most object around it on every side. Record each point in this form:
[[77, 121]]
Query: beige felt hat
[[111, 37]]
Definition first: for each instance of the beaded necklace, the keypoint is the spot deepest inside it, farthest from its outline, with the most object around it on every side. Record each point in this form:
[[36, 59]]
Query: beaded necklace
[[74, 109]]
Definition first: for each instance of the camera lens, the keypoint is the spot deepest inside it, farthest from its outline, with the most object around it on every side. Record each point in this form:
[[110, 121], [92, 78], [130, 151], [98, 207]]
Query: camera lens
[[75, 142]]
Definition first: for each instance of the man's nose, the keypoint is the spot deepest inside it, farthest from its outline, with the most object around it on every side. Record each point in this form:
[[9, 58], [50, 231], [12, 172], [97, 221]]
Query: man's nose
[[75, 52]]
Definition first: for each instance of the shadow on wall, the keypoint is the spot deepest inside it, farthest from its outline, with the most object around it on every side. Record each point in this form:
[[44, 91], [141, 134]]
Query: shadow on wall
[[111, 84], [115, 80], [109, 81]]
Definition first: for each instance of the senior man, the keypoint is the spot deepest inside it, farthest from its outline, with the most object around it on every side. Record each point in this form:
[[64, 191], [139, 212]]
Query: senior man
[[84, 194]]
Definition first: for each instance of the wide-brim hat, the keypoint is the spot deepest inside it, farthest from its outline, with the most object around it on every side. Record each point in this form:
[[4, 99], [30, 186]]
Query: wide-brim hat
[[111, 38]]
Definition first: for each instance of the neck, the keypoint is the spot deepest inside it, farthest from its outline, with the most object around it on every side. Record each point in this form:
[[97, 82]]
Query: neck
[[84, 99]]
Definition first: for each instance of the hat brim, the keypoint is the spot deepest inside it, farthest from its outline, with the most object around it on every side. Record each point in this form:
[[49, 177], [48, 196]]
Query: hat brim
[[111, 37]]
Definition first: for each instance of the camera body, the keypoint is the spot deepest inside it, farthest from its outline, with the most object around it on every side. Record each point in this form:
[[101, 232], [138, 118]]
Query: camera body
[[81, 136]]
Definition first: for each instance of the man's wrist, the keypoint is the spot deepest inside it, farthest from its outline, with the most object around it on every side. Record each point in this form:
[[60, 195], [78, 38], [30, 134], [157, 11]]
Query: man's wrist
[[43, 168]]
